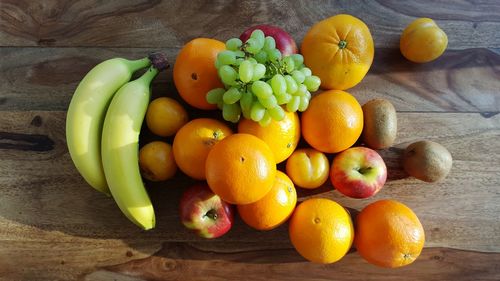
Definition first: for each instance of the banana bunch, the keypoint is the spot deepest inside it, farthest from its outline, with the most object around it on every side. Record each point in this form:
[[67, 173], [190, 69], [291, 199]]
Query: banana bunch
[[102, 132]]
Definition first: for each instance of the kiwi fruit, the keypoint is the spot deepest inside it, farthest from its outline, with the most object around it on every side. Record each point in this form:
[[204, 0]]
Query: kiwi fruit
[[427, 160], [380, 124]]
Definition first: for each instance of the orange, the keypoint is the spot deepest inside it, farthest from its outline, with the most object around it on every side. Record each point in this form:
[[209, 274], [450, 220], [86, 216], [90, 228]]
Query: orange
[[193, 142], [165, 116], [308, 168], [339, 50], [274, 209], [389, 234], [321, 230], [195, 73], [156, 161], [240, 169], [332, 122], [281, 136], [423, 41]]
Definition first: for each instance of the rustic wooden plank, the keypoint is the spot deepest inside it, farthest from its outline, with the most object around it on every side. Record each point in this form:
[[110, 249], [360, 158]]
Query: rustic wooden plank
[[44, 198], [212, 260], [465, 80], [469, 24]]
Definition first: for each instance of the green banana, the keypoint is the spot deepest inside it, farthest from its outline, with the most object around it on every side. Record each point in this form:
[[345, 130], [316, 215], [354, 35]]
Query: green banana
[[120, 146], [86, 115]]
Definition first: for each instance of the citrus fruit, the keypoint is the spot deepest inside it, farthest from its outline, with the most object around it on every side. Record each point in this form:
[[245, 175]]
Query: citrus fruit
[[281, 136], [195, 73], [388, 234], [423, 41], [240, 169], [308, 168], [333, 122], [193, 142], [321, 230], [274, 208], [339, 50], [156, 161], [165, 116]]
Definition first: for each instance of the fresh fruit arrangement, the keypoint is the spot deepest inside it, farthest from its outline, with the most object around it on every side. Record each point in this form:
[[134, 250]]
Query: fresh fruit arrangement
[[263, 83], [259, 82]]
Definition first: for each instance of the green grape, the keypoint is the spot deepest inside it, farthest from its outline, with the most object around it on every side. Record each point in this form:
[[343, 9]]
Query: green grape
[[278, 83], [215, 95], [253, 46], [261, 57], [231, 112], [217, 64], [261, 89], [266, 120], [312, 83], [298, 76], [291, 85], [231, 96], [257, 111], [293, 104], [226, 57], [246, 71], [239, 54], [246, 101], [246, 113], [283, 99], [308, 95], [269, 44], [252, 60], [259, 36], [277, 113], [289, 64], [233, 44], [269, 102], [303, 104], [259, 70], [298, 59], [306, 71], [301, 91], [228, 75], [239, 61], [274, 55], [220, 104]]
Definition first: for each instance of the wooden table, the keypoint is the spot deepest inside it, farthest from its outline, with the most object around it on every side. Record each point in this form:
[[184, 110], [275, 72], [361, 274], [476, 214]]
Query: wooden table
[[53, 226]]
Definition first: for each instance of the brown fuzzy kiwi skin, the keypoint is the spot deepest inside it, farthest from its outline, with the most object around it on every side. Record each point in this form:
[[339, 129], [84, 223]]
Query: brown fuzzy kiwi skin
[[427, 161], [380, 124]]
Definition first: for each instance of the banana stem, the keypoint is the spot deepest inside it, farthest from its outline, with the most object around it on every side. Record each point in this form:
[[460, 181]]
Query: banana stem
[[149, 75], [138, 64]]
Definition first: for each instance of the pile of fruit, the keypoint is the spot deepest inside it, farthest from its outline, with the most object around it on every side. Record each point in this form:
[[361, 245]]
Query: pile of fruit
[[261, 82]]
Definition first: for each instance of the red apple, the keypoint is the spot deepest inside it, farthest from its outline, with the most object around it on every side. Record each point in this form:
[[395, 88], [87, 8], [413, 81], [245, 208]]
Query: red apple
[[358, 172], [284, 42], [204, 212]]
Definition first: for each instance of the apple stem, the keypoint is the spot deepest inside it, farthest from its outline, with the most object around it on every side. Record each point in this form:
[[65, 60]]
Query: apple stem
[[212, 214], [364, 170]]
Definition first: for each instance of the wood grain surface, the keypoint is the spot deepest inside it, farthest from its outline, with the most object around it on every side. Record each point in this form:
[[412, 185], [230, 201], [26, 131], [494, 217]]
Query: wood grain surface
[[53, 226]]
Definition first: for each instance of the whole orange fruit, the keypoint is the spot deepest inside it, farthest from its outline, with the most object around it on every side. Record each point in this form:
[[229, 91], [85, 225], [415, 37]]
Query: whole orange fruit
[[165, 116], [240, 169], [423, 41], [321, 230], [339, 50], [195, 73], [274, 208], [156, 161], [332, 122], [308, 168], [193, 142], [281, 136], [388, 234]]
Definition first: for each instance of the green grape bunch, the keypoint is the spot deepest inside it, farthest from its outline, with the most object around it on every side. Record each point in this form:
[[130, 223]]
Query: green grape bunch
[[259, 83]]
